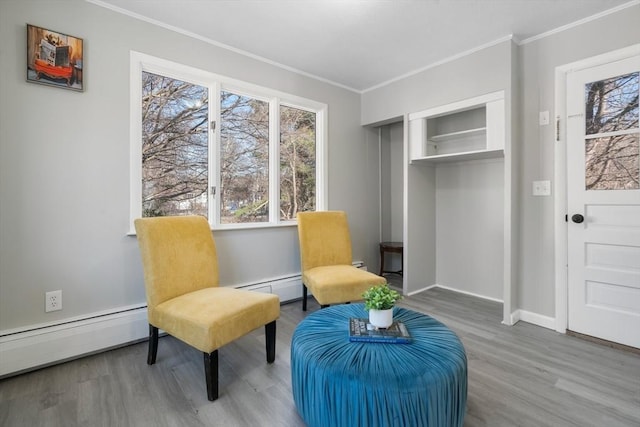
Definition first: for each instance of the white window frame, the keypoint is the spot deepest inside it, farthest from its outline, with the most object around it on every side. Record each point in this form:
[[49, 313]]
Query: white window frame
[[140, 62]]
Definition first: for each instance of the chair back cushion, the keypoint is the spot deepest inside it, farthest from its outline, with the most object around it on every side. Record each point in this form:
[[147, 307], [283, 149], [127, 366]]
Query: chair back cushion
[[178, 256], [324, 239]]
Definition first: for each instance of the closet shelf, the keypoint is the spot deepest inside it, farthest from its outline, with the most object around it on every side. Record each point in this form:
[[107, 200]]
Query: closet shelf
[[459, 134], [456, 157]]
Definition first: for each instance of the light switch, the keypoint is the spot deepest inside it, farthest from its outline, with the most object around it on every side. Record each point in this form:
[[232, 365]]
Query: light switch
[[544, 118], [541, 188]]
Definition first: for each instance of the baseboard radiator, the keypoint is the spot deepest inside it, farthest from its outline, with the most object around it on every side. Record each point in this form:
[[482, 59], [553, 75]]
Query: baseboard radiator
[[37, 346]]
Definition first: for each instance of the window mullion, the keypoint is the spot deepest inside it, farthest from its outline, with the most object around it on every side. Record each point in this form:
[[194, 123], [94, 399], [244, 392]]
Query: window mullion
[[322, 156], [274, 160], [214, 154]]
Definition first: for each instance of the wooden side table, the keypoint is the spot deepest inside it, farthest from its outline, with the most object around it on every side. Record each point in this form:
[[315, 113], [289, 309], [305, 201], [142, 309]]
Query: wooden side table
[[393, 247]]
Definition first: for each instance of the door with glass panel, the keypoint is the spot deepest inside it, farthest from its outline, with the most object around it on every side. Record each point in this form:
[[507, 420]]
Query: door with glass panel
[[603, 187]]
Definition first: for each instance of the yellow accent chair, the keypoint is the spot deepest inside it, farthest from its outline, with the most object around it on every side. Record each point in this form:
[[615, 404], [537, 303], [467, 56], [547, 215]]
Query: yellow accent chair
[[326, 260], [184, 298]]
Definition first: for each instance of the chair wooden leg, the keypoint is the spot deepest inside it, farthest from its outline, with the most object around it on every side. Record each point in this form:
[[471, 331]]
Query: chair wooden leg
[[324, 306], [153, 345], [211, 374], [304, 297], [270, 333]]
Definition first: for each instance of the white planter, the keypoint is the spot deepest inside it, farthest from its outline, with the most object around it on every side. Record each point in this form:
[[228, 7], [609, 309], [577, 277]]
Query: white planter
[[381, 318]]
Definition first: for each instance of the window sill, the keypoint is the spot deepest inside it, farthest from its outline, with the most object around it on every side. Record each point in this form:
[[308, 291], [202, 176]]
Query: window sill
[[237, 227]]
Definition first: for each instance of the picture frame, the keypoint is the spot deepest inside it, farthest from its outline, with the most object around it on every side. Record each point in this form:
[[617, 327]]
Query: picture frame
[[55, 59]]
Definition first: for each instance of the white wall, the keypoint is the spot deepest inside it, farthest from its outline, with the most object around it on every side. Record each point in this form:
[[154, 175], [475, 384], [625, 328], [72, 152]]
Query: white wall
[[64, 167]]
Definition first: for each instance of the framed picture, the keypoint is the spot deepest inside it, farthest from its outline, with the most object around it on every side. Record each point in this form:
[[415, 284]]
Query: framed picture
[[54, 58]]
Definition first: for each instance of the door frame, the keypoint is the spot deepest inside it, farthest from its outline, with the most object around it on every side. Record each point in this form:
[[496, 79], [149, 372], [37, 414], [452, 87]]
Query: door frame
[[560, 176]]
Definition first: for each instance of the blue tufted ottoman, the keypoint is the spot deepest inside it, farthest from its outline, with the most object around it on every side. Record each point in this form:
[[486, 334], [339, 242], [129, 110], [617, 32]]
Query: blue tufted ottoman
[[336, 382]]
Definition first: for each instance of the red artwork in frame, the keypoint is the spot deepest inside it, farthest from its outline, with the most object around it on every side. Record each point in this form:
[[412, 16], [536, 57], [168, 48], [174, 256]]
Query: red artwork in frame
[[54, 58]]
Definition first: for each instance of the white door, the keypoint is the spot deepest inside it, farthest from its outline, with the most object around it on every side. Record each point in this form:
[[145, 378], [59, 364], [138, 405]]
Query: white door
[[603, 191]]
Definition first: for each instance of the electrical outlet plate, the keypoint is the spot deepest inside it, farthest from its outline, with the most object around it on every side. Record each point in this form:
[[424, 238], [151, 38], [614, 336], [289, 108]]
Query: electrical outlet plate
[[53, 301], [541, 188]]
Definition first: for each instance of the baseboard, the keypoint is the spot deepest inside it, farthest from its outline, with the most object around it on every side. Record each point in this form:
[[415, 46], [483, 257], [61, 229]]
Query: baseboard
[[533, 318], [458, 291], [287, 288], [516, 316], [422, 290], [43, 345]]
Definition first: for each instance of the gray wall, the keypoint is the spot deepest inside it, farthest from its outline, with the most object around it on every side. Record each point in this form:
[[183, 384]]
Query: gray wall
[[477, 74], [470, 226], [64, 167], [64, 156], [527, 73], [391, 164], [537, 62]]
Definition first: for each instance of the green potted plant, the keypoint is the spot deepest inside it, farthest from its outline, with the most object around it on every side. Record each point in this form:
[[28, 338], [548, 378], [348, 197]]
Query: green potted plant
[[380, 300]]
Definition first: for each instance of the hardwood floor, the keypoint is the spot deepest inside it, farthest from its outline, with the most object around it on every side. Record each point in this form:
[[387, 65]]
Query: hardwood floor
[[522, 375]]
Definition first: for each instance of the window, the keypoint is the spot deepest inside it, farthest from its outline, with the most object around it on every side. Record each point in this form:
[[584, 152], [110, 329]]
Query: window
[[175, 145], [612, 140], [244, 159], [239, 154], [297, 161]]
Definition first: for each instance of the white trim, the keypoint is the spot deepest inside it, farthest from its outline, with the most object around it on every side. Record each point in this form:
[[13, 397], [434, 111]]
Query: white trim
[[580, 22], [43, 345], [422, 290], [514, 317], [457, 106], [40, 345], [458, 291], [560, 203], [473, 294], [377, 86], [533, 318], [218, 44], [140, 62], [406, 237], [288, 288], [560, 175]]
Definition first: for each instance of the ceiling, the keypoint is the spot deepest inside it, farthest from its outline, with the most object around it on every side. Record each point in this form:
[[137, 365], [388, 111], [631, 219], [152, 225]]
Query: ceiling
[[361, 44]]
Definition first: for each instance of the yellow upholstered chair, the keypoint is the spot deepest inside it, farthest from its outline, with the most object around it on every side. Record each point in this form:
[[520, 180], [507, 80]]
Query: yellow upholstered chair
[[325, 257], [183, 297]]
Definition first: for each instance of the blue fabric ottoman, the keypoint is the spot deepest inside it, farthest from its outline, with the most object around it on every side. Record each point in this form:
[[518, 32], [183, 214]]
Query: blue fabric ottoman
[[336, 382]]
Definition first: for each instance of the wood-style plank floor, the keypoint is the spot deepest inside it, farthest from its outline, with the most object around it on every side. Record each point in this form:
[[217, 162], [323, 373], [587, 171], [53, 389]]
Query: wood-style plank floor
[[522, 375]]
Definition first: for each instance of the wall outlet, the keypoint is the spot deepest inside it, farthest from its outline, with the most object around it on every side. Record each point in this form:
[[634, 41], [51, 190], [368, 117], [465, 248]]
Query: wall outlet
[[53, 301], [541, 188]]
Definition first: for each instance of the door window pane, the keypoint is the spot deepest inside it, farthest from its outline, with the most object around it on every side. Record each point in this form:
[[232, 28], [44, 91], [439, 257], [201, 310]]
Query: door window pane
[[297, 162], [612, 153], [613, 163], [174, 147], [244, 159], [612, 104]]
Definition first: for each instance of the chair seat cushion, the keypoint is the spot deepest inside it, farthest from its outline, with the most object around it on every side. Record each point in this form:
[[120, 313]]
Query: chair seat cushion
[[209, 318], [339, 283]]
